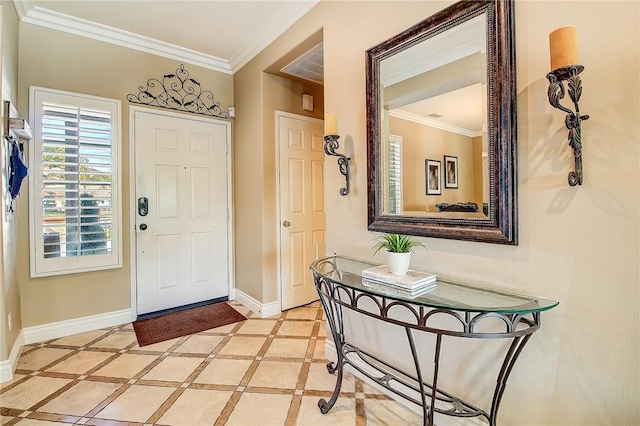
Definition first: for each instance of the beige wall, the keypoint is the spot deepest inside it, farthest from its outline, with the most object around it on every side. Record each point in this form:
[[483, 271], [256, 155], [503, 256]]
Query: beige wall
[[259, 95], [63, 61], [577, 245], [10, 295]]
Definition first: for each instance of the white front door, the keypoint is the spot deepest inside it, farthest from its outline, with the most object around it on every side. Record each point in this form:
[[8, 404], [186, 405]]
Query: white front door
[[182, 180], [302, 213]]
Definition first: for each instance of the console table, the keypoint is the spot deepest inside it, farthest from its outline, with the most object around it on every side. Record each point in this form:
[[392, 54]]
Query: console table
[[340, 287]]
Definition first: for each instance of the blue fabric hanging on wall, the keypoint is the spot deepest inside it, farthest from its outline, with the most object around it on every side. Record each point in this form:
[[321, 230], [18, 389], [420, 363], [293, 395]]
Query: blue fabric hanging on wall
[[18, 170]]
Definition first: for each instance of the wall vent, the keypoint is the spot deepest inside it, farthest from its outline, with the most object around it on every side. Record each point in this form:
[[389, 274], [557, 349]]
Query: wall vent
[[308, 66]]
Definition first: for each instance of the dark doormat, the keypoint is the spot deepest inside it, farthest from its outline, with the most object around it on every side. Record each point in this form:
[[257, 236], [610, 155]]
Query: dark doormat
[[182, 323]]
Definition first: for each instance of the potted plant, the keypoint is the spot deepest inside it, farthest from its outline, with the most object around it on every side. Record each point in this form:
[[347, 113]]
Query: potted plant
[[399, 248]]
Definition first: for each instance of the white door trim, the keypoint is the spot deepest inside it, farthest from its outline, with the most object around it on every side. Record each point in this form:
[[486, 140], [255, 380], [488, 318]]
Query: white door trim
[[132, 198], [283, 114]]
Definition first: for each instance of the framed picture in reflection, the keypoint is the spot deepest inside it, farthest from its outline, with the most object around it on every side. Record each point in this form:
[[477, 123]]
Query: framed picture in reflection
[[432, 177], [450, 171]]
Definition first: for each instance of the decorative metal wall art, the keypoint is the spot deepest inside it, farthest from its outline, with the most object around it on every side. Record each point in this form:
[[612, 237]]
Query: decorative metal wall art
[[177, 91], [573, 119], [330, 145]]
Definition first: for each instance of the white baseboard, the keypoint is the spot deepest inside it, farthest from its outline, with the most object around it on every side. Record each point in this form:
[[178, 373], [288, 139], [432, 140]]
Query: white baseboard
[[441, 420], [7, 367], [55, 330], [265, 310]]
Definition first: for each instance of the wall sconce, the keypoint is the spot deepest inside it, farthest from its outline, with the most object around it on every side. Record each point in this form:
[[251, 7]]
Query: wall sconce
[[563, 44], [331, 144]]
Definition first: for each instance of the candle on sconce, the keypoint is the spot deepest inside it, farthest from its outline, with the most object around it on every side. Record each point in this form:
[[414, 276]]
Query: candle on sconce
[[563, 47], [331, 124]]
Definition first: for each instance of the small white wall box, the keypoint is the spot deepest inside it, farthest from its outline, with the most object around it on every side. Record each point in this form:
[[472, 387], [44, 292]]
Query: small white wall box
[[20, 127], [307, 102]]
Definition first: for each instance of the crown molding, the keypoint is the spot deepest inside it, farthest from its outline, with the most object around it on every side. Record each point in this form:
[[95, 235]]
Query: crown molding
[[271, 30], [265, 35], [22, 7], [59, 21], [403, 115]]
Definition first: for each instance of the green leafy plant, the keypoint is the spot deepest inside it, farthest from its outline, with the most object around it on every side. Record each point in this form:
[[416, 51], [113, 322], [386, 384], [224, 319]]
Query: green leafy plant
[[396, 243]]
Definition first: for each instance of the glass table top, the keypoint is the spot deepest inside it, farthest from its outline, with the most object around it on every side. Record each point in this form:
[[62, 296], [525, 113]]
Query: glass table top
[[446, 294]]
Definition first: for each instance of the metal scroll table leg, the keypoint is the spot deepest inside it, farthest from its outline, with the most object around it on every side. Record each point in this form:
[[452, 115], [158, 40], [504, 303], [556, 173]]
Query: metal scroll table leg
[[507, 365], [427, 411], [334, 318]]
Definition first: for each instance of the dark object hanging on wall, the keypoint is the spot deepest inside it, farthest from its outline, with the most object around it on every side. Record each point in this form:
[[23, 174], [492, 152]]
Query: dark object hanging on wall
[[177, 91], [573, 119], [330, 146], [18, 170]]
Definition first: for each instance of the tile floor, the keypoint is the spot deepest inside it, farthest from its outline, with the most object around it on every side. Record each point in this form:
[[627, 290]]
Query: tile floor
[[257, 372]]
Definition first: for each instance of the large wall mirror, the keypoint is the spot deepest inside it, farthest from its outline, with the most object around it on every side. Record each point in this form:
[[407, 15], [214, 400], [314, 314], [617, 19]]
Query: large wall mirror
[[441, 126]]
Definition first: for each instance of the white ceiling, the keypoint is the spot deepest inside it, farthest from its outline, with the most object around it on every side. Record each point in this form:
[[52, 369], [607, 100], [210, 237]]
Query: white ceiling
[[218, 34]]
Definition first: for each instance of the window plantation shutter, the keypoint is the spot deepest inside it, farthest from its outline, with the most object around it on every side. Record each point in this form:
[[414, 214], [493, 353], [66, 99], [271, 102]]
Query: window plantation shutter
[[75, 225], [395, 176], [76, 184]]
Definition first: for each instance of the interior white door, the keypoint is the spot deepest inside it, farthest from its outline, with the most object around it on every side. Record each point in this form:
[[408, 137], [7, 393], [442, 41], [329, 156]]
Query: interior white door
[[302, 212], [182, 243]]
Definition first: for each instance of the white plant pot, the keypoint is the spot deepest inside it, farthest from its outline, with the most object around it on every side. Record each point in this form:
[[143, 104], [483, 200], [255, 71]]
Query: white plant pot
[[398, 262]]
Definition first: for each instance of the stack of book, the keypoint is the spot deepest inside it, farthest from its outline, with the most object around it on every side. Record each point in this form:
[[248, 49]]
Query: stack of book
[[413, 284]]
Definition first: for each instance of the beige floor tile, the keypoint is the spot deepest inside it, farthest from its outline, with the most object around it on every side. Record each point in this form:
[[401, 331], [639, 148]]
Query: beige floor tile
[[319, 351], [287, 348], [223, 329], [260, 409], [136, 404], [320, 379], [81, 339], [32, 391], [257, 326], [323, 330], [196, 407], [240, 308], [224, 371], [80, 362], [243, 345], [41, 357], [302, 313], [199, 344], [276, 374], [388, 412], [117, 340], [16, 377], [157, 347], [296, 328], [342, 413], [125, 366], [173, 369], [81, 398]]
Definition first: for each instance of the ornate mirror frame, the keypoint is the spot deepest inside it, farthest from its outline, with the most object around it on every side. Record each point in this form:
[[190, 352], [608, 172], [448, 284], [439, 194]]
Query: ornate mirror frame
[[500, 223]]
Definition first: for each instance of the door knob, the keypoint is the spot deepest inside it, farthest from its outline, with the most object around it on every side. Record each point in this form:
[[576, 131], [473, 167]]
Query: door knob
[[286, 224], [143, 226]]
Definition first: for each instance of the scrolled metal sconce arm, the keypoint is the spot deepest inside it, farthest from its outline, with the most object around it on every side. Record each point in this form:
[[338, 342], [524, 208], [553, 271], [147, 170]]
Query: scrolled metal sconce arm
[[573, 119], [330, 146]]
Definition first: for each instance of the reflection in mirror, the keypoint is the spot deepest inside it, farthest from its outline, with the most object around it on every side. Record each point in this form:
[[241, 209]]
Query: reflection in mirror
[[441, 126], [434, 102]]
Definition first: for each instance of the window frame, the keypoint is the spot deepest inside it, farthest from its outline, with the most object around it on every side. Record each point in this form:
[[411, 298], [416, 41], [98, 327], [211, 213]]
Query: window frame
[[39, 265]]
